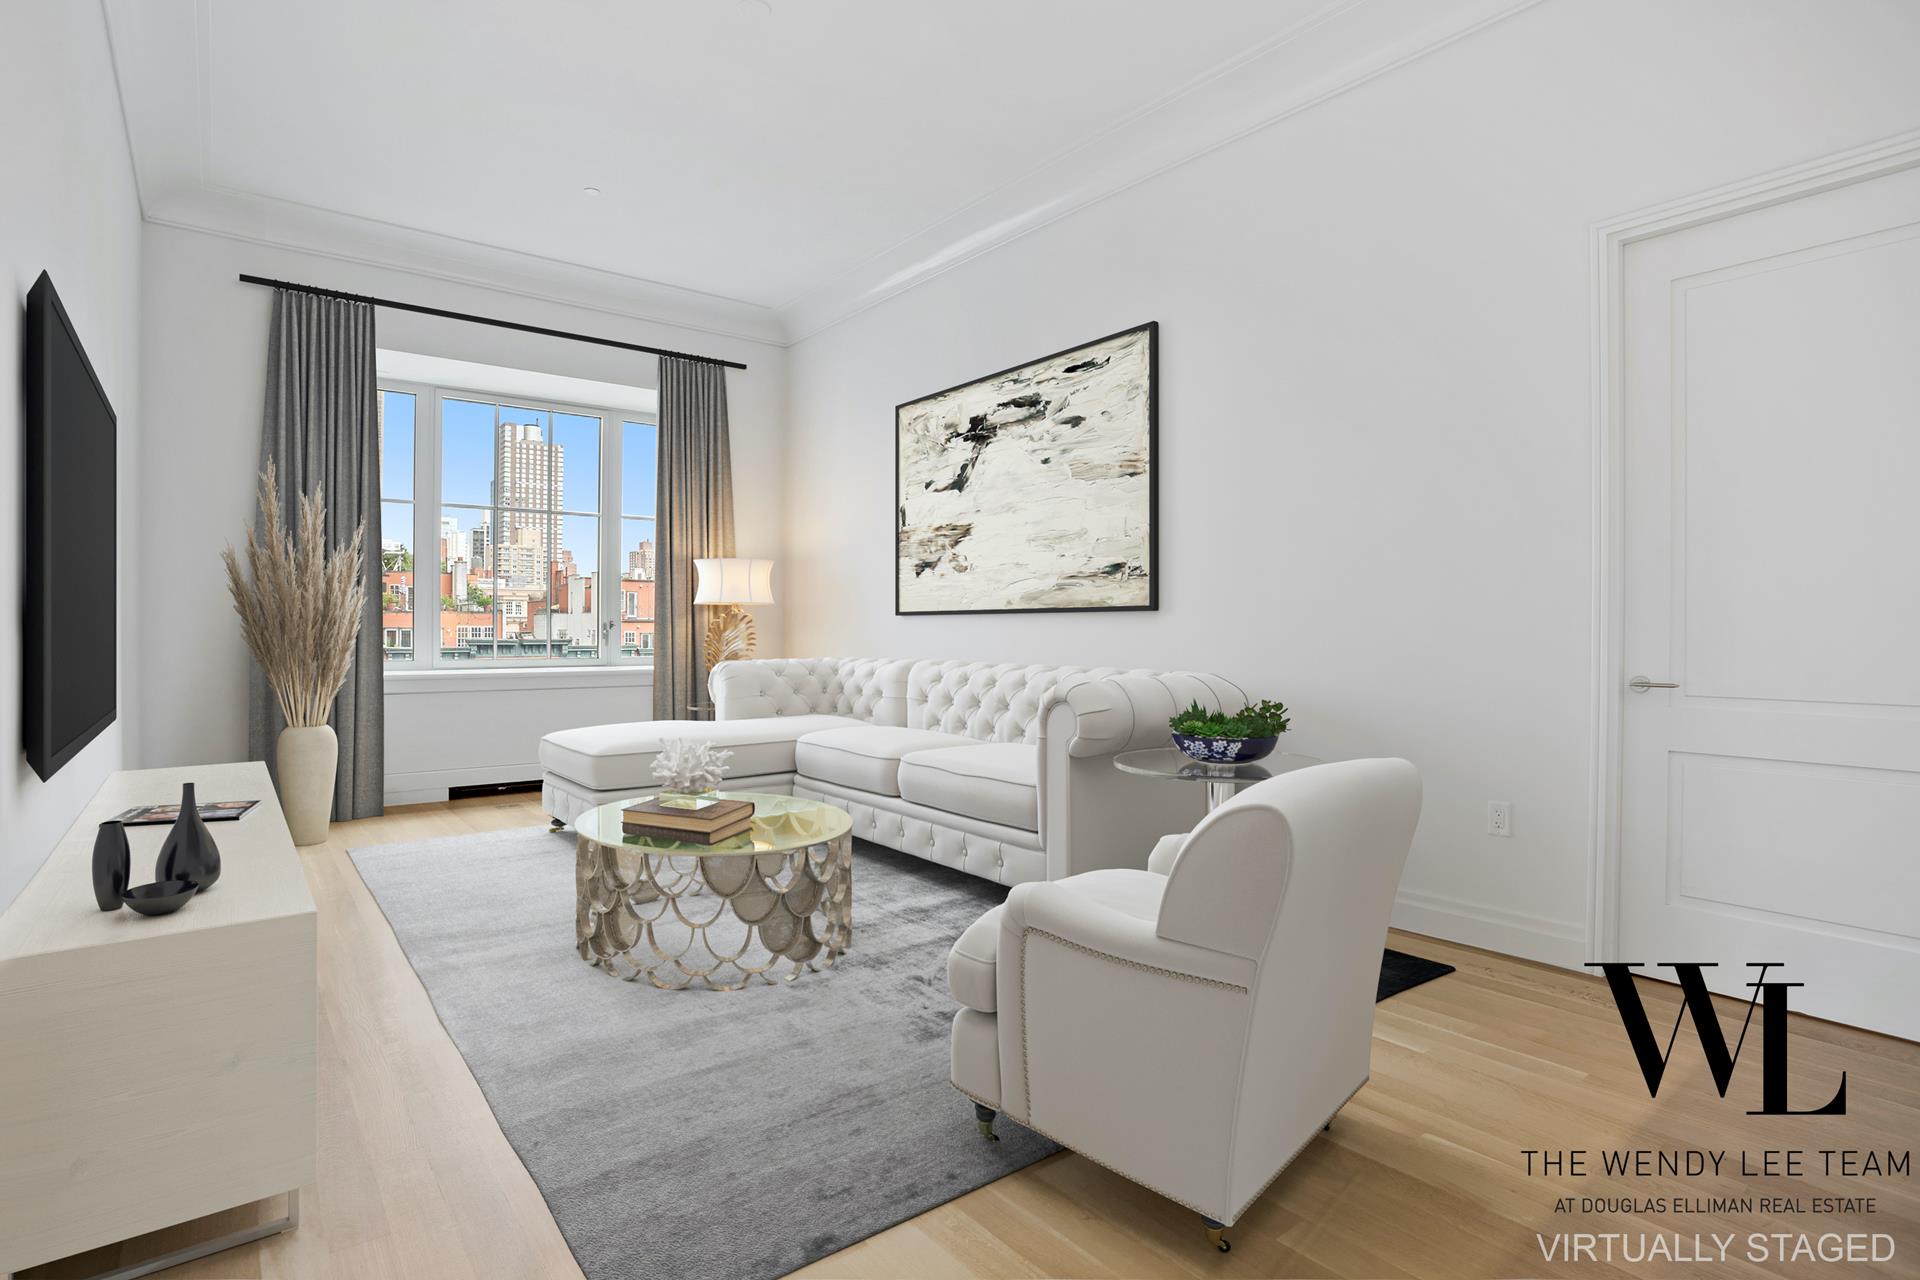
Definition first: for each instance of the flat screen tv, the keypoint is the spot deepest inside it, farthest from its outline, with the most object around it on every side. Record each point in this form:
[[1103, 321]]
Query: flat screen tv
[[69, 668]]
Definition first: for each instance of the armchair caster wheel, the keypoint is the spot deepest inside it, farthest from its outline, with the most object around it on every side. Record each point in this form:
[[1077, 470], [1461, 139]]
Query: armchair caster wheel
[[557, 825], [983, 1116], [1216, 1236]]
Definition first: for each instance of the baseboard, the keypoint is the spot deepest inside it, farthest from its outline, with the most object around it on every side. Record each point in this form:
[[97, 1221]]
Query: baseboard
[[419, 795], [1514, 933]]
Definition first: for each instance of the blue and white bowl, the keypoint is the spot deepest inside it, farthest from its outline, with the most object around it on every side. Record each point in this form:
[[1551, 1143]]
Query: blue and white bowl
[[1225, 750]]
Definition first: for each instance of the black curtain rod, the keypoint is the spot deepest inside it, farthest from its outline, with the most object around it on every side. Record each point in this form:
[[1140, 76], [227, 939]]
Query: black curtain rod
[[391, 305]]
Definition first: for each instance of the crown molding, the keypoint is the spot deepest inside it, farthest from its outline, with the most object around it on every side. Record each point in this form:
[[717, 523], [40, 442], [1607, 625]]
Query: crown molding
[[1338, 49], [301, 228]]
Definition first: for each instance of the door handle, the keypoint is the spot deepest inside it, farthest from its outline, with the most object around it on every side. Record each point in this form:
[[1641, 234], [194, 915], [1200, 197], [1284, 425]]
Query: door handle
[[1640, 684]]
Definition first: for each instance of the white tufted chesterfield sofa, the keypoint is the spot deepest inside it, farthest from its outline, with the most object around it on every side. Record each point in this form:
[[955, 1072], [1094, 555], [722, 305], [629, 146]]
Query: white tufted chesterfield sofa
[[1002, 770]]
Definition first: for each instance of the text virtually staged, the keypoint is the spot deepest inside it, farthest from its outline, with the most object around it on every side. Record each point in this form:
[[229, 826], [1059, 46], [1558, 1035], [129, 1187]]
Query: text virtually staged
[[1251, 639]]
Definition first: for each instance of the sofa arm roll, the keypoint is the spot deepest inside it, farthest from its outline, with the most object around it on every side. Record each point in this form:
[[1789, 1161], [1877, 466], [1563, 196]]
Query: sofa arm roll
[[1063, 910], [1129, 711], [745, 690], [1165, 854]]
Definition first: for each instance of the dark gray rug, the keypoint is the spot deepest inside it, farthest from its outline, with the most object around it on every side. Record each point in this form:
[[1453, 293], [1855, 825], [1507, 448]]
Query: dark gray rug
[[691, 1133], [707, 1134], [1399, 971]]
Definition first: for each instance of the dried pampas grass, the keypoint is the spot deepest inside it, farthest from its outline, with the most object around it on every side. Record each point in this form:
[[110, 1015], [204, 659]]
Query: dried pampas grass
[[300, 613]]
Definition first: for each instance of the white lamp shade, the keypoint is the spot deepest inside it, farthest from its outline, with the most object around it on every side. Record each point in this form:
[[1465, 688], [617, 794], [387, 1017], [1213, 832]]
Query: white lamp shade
[[733, 581]]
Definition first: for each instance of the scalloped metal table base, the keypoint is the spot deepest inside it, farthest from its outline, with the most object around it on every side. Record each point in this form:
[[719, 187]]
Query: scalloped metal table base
[[720, 920]]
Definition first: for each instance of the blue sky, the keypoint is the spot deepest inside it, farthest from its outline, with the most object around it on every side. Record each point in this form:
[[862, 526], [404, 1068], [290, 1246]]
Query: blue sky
[[466, 445]]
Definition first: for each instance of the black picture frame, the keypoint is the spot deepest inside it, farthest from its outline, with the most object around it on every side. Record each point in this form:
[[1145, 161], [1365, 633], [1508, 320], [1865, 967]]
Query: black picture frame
[[1152, 329]]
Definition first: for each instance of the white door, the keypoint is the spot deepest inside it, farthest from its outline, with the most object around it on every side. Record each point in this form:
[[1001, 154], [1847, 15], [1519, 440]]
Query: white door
[[1771, 797]]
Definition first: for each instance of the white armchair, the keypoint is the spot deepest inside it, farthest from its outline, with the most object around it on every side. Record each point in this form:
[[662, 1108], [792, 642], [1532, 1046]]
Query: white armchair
[[1192, 1026]]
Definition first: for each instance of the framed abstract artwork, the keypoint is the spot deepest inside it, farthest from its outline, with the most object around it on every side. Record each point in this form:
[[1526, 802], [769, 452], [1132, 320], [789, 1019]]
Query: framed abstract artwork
[[1032, 489]]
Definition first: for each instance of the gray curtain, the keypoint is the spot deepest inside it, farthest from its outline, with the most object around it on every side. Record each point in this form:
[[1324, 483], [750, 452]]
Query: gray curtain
[[695, 509], [320, 430]]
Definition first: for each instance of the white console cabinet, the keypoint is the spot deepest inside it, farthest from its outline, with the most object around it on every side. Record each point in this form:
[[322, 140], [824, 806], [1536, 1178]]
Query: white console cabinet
[[156, 1070]]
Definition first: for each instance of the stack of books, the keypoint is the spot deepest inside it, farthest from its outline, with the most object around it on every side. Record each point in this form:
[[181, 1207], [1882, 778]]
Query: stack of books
[[690, 822]]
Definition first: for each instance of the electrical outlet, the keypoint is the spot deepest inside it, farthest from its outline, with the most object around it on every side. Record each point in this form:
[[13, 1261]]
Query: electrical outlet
[[1500, 817]]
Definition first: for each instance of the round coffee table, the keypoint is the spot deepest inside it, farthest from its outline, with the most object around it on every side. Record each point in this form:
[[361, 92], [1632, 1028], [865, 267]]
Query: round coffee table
[[1222, 779], [771, 904]]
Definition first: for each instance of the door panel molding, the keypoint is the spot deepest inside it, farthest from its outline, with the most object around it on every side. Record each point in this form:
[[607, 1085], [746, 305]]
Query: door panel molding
[[1608, 241], [1728, 640], [1768, 874]]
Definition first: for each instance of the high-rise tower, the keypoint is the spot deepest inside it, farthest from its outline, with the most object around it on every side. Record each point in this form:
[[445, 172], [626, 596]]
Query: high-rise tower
[[528, 484]]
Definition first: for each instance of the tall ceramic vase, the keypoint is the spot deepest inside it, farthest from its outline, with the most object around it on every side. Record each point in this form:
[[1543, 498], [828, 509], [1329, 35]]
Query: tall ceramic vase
[[110, 856], [306, 761], [189, 852]]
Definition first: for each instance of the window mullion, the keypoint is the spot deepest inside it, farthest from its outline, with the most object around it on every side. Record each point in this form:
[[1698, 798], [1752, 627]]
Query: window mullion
[[496, 536], [426, 528], [606, 592]]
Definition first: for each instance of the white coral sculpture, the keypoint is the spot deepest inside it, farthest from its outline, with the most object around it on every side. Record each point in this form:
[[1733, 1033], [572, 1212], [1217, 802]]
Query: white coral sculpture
[[687, 766]]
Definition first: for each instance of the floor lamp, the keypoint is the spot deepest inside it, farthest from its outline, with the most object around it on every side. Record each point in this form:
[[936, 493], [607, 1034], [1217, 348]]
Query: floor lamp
[[725, 585]]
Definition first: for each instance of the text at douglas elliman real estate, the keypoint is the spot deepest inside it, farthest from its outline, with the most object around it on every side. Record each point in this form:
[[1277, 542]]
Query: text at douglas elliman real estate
[[1764, 1191]]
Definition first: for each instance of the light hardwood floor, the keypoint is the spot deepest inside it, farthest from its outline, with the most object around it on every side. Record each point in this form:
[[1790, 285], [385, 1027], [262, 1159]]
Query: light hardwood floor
[[1421, 1175]]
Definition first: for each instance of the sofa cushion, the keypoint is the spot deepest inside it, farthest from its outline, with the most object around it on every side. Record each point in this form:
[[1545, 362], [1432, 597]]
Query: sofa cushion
[[865, 757], [993, 781], [970, 965], [607, 757]]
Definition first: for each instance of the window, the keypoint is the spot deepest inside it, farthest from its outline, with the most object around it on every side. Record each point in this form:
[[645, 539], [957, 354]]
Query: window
[[527, 512], [396, 410]]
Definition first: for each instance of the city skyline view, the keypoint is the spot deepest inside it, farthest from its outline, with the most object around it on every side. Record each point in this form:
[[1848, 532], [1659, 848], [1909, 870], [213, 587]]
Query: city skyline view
[[517, 543]]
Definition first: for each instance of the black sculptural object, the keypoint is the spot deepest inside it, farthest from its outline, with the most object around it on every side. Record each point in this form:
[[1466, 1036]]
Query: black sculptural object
[[189, 853], [162, 899], [110, 855]]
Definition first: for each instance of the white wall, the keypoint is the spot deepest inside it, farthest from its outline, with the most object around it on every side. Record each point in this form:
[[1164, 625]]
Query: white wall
[[1375, 440], [205, 378], [67, 206], [473, 728]]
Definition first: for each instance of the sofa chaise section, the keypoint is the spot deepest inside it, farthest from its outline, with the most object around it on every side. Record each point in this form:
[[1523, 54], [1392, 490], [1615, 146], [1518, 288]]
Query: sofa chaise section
[[768, 709], [602, 763]]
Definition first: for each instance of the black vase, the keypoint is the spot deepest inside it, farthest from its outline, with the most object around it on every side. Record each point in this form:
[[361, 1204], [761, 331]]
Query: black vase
[[189, 853], [110, 854]]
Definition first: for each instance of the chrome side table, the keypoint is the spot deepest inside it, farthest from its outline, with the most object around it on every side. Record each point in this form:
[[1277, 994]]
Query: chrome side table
[[1222, 779]]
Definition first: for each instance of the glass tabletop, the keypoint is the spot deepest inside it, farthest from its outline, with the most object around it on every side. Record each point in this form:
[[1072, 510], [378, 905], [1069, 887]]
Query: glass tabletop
[[779, 823], [1171, 762]]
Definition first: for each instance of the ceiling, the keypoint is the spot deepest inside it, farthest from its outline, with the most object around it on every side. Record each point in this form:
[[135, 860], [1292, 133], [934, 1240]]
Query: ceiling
[[762, 167]]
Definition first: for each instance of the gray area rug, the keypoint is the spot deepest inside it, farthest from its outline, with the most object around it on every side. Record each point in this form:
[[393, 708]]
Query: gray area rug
[[692, 1133]]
